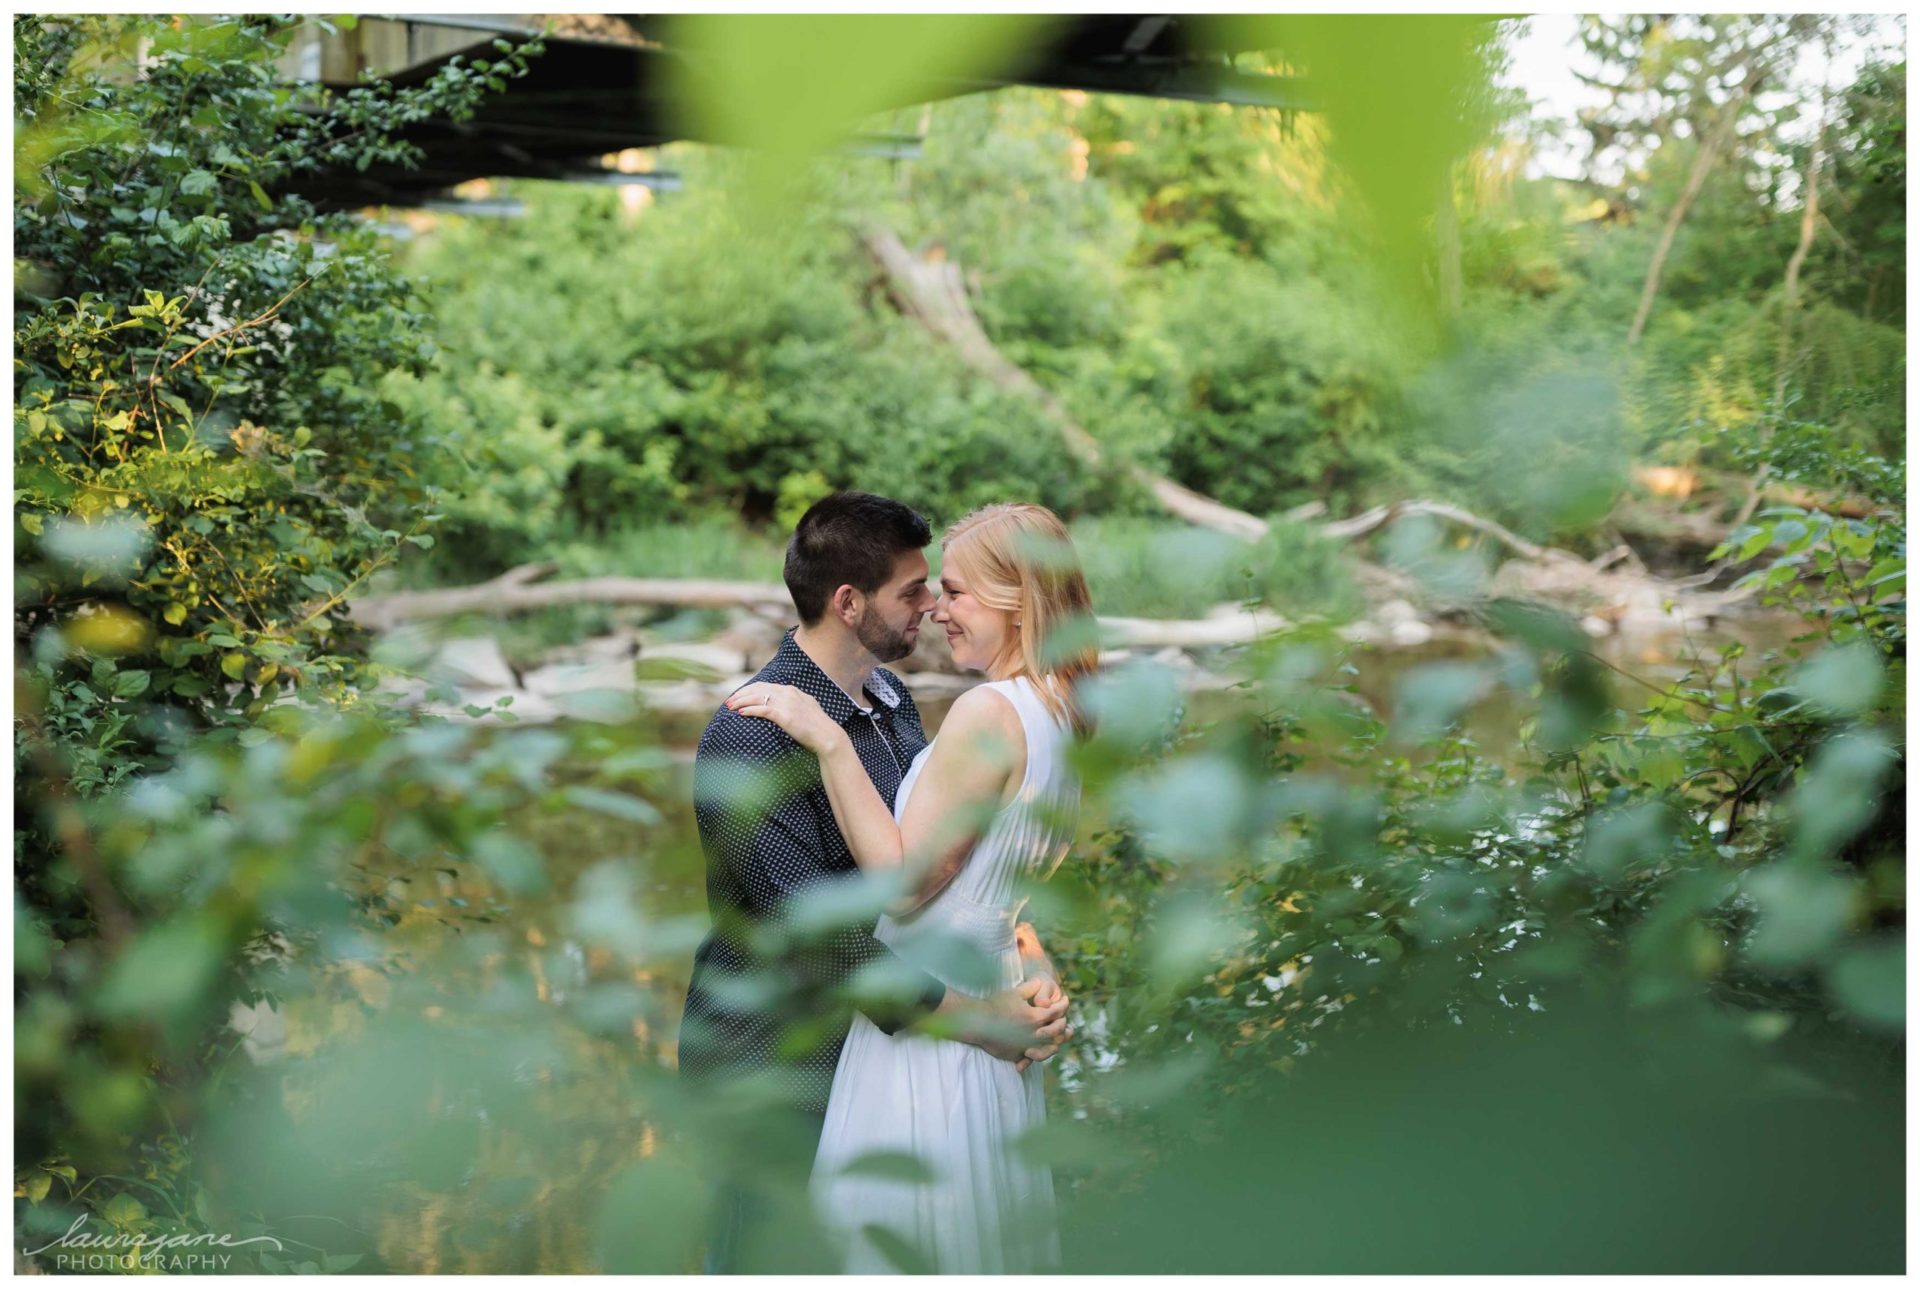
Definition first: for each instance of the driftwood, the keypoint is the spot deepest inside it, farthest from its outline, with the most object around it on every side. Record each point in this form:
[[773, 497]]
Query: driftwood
[[1694, 531], [1612, 591], [933, 293], [1239, 627], [1380, 516], [521, 589]]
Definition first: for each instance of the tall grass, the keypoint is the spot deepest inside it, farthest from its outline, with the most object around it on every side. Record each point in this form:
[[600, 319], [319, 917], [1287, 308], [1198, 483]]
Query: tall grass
[[702, 548], [1154, 568]]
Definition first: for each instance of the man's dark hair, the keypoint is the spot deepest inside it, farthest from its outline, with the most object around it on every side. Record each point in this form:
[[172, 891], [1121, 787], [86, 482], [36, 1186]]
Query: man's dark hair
[[852, 539]]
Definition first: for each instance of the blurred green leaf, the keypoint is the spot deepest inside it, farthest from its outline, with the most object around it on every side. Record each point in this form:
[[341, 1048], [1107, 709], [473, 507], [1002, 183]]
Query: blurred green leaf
[[618, 805], [1133, 705], [163, 972], [789, 85], [510, 861], [890, 1166], [1871, 981], [653, 1219], [1842, 681], [1802, 914]]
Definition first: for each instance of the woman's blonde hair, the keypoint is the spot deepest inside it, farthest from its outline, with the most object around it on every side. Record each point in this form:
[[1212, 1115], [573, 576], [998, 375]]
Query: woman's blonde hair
[[1017, 557]]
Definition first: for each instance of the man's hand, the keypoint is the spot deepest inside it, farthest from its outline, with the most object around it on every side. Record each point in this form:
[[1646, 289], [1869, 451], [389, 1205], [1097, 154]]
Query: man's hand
[[1046, 992], [1037, 966], [1011, 1023]]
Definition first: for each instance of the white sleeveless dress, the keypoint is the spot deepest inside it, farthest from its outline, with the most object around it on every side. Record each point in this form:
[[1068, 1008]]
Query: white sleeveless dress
[[950, 1104]]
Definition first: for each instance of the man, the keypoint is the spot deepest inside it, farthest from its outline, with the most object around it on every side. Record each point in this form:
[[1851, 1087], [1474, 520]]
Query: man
[[765, 1006]]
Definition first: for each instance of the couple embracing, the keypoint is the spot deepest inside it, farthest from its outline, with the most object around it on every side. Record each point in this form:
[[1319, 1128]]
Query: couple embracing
[[818, 771]]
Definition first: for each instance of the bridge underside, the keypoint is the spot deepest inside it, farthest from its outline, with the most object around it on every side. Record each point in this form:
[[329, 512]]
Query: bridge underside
[[598, 89]]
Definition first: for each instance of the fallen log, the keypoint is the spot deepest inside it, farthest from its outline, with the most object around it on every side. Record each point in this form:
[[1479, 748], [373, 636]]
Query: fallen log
[[1380, 516], [933, 293], [1241, 627], [515, 592], [1679, 530], [519, 590]]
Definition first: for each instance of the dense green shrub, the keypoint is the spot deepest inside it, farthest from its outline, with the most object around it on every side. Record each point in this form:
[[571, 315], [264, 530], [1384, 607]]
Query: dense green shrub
[[204, 472], [203, 467], [630, 372], [1288, 391]]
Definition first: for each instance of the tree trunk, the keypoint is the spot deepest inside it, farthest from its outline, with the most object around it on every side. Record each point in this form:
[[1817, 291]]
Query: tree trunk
[[1703, 160], [1808, 215], [1790, 302]]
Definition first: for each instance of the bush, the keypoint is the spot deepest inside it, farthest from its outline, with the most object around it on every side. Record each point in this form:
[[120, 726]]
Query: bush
[[618, 376], [204, 473], [204, 469], [1287, 390]]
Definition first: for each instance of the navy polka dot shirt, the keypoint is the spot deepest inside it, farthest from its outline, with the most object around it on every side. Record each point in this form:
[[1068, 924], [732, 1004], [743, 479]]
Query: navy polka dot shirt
[[764, 998]]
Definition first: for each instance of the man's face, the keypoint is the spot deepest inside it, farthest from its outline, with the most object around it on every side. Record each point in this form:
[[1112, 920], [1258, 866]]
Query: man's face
[[889, 621]]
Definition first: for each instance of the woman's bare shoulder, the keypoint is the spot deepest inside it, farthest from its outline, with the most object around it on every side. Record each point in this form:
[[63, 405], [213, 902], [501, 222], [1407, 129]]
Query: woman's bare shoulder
[[982, 710], [981, 743]]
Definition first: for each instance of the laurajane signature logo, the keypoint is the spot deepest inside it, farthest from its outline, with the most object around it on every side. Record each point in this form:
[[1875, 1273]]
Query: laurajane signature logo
[[81, 1250]]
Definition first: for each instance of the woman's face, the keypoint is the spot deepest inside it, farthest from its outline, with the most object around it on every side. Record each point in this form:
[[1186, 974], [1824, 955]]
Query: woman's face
[[976, 632]]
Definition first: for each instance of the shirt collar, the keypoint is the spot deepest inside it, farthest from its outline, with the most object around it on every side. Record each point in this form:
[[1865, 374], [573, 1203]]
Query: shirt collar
[[878, 686], [796, 668]]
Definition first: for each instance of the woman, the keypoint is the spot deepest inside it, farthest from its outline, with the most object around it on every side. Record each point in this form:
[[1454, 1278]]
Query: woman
[[989, 802]]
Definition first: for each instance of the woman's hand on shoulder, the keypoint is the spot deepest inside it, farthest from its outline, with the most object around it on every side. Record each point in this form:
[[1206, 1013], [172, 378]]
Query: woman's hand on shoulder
[[793, 710]]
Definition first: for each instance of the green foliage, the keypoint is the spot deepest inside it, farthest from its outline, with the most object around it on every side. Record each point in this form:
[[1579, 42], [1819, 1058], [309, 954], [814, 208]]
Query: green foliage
[[1287, 391], [1541, 400], [203, 475], [290, 878], [202, 471], [1186, 280], [606, 375], [1721, 333], [1736, 840], [1869, 258], [1150, 568]]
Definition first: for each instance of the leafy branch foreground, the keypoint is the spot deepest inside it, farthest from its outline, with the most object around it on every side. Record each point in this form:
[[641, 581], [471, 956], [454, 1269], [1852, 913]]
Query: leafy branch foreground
[[1279, 910]]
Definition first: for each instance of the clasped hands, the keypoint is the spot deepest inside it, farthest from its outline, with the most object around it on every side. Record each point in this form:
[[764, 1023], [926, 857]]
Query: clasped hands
[[1043, 992]]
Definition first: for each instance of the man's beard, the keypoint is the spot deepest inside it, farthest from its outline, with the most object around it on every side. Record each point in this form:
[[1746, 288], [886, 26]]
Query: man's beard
[[881, 640]]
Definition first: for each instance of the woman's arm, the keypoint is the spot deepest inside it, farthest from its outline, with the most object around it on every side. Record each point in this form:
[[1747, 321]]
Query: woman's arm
[[979, 752], [865, 821]]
